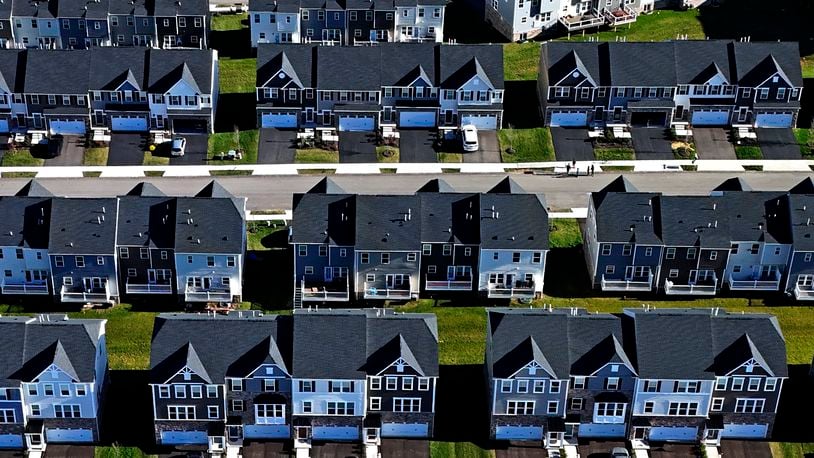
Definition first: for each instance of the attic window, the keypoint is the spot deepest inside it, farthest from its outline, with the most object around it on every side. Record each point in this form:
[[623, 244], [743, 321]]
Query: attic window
[[575, 74], [775, 79], [282, 75]]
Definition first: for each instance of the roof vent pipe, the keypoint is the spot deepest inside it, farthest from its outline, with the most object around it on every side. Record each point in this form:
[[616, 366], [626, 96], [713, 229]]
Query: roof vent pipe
[[98, 220]]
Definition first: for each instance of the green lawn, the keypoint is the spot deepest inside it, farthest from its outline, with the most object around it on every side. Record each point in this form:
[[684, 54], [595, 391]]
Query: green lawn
[[614, 154], [451, 158], [149, 159], [530, 145], [119, 452], [458, 450], [394, 157], [21, 158], [95, 156], [223, 22], [748, 152], [316, 156], [259, 231], [237, 75], [790, 450], [806, 141], [564, 233], [808, 66], [661, 25], [521, 61], [222, 142]]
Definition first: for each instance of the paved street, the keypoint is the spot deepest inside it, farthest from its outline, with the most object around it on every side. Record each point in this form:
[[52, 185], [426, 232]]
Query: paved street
[[274, 192]]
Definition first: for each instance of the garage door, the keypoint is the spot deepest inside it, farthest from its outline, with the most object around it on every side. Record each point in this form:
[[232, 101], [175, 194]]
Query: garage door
[[266, 431], [128, 123], [774, 120], [283, 120], [663, 433], [601, 430], [648, 119], [4, 125], [405, 430], [417, 119], [190, 126], [356, 123], [484, 122], [68, 435], [11, 441], [66, 127], [337, 433], [562, 119], [744, 431], [519, 433], [183, 437], [710, 117]]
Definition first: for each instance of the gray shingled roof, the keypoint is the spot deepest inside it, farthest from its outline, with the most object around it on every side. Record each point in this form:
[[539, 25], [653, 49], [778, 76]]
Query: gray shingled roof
[[62, 71], [12, 63], [83, 226], [34, 188], [42, 9], [436, 185], [25, 222], [126, 7], [31, 346], [166, 67], [181, 8], [388, 222], [693, 221], [321, 218], [459, 63], [450, 217], [208, 225], [181, 340], [618, 212], [296, 61], [338, 67], [687, 344], [569, 343], [799, 209], [146, 222], [112, 66], [520, 221], [96, 9]]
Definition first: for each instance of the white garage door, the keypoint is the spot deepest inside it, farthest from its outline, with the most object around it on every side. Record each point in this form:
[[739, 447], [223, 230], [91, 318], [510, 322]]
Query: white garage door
[[744, 431], [562, 119], [11, 441], [66, 127], [405, 430], [519, 433], [417, 119], [356, 123], [4, 125], [601, 430], [337, 433], [68, 435], [128, 123], [484, 122], [774, 120], [710, 117], [279, 120], [665, 433], [183, 437], [266, 431]]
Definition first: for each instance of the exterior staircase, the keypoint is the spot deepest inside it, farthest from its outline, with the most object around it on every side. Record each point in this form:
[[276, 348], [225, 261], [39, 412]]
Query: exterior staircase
[[297, 298]]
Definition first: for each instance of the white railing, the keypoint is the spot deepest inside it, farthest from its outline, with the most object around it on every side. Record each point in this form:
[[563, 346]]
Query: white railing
[[627, 16], [148, 288], [628, 284], [496, 291], [449, 285], [693, 289], [321, 293], [397, 292], [758, 285], [25, 288], [804, 294], [210, 295], [94, 295], [594, 19]]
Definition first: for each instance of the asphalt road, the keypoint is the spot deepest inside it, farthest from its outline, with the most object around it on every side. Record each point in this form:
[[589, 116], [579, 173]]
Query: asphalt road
[[274, 192]]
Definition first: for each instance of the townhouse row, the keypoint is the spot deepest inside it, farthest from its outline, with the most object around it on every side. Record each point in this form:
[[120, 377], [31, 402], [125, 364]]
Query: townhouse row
[[647, 375], [75, 92], [346, 22], [350, 247], [145, 243], [734, 238], [80, 24], [670, 84], [403, 85]]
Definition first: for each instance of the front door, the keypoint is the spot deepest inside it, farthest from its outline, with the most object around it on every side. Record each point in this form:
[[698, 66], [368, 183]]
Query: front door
[[509, 280], [303, 432], [151, 276], [641, 433], [207, 283], [628, 272], [235, 433]]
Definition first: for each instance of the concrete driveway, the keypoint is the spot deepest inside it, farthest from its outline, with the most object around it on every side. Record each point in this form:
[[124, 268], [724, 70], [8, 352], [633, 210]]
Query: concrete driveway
[[652, 143], [195, 154], [713, 143], [416, 146], [778, 144], [405, 448], [71, 153], [127, 149], [276, 146], [572, 144], [357, 147], [745, 449], [488, 148]]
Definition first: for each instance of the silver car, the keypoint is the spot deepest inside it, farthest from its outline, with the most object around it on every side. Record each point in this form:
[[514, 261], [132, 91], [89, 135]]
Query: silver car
[[619, 452], [179, 145]]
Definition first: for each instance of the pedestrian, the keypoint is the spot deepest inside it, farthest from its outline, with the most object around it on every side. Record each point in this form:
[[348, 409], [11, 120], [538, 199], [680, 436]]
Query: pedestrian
[[576, 172], [694, 157], [592, 170], [567, 169], [573, 163]]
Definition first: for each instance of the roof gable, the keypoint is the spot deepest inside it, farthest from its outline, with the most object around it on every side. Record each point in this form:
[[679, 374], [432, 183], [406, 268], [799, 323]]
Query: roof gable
[[395, 352], [34, 188], [52, 358], [524, 354], [436, 185]]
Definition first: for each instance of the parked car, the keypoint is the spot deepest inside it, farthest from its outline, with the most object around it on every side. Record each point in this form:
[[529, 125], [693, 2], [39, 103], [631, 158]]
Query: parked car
[[619, 452], [179, 145], [55, 145], [469, 137]]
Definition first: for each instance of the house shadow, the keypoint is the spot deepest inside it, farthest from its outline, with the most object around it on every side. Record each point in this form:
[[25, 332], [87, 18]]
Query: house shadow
[[520, 105], [796, 403], [235, 110], [464, 22], [234, 44], [127, 417], [462, 409], [268, 277]]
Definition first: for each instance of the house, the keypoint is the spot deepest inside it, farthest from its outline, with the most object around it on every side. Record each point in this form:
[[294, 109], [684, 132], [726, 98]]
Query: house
[[6, 29], [54, 379], [704, 375], [700, 83], [796, 208], [220, 392], [427, 86], [210, 240], [36, 24], [370, 21], [145, 241], [82, 247], [322, 21], [83, 24], [557, 375], [363, 371], [182, 24], [277, 21], [420, 20], [57, 105], [118, 89], [131, 23], [24, 242], [12, 100]]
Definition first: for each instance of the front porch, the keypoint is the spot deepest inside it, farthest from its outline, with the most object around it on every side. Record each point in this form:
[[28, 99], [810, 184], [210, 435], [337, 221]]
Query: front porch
[[804, 292], [336, 290]]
